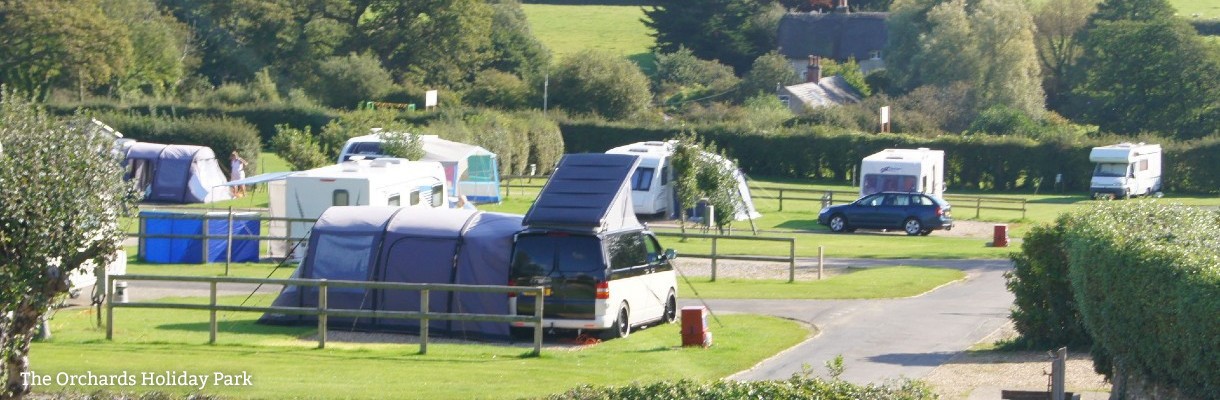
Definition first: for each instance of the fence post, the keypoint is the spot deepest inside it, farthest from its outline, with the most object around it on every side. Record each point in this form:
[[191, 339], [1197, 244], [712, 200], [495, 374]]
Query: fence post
[[322, 314], [110, 309], [821, 260], [791, 260], [229, 242], [1023, 201], [538, 321], [781, 200], [206, 236], [212, 319], [713, 259], [978, 207], [423, 321]]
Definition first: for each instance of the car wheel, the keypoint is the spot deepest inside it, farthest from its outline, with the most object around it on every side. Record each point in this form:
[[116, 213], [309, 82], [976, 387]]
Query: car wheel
[[671, 308], [838, 223], [621, 327], [912, 226]]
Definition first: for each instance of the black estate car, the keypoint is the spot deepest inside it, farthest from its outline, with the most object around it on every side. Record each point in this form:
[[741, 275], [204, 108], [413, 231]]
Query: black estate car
[[915, 213]]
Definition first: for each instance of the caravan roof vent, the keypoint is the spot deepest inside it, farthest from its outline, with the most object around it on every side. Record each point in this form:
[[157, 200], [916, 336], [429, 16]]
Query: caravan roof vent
[[638, 150], [654, 143], [351, 166], [386, 161]]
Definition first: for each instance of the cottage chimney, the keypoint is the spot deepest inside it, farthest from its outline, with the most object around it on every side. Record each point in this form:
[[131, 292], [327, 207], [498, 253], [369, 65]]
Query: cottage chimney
[[841, 6], [813, 73]]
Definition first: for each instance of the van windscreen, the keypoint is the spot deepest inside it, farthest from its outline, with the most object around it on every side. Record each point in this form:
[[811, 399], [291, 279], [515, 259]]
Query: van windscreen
[[541, 255]]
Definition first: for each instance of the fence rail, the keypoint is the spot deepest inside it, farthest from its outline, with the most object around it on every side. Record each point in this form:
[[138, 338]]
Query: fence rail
[[529, 183], [323, 311], [832, 197], [714, 256]]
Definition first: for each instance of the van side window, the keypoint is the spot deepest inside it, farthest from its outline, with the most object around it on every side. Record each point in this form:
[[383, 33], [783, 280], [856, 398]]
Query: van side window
[[340, 198], [626, 250], [414, 197], [438, 195]]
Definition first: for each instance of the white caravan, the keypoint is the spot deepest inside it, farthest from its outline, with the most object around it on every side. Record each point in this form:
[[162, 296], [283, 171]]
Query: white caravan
[[1126, 169], [379, 182], [920, 170], [652, 188]]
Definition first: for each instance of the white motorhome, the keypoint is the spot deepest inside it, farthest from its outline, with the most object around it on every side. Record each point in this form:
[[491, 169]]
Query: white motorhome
[[652, 189], [379, 182], [471, 171], [1125, 169], [920, 170]]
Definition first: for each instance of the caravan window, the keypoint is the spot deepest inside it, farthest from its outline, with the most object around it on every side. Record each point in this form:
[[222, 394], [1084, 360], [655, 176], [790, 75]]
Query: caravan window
[[415, 197], [1143, 165], [340, 198], [438, 195], [665, 175], [642, 179], [395, 200]]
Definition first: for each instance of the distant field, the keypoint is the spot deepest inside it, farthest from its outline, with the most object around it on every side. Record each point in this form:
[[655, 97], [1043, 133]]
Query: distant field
[[1207, 9], [568, 29]]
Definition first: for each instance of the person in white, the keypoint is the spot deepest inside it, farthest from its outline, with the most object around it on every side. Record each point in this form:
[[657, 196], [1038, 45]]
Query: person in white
[[237, 171]]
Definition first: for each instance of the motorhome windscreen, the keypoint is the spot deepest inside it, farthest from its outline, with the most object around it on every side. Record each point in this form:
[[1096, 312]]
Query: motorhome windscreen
[[543, 255], [642, 179], [874, 183], [1113, 170], [369, 150]]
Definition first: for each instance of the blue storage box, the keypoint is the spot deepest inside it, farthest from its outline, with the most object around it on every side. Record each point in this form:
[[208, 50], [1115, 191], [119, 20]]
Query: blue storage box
[[191, 251]]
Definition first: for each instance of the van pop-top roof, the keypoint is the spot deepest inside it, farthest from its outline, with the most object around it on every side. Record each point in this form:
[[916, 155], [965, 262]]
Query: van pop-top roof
[[587, 192]]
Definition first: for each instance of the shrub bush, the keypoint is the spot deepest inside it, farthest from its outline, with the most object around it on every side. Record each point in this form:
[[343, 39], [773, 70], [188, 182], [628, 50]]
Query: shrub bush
[[1044, 310], [793, 388], [298, 148], [1147, 280]]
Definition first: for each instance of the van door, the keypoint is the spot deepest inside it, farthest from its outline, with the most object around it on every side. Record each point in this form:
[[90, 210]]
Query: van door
[[631, 274], [569, 265]]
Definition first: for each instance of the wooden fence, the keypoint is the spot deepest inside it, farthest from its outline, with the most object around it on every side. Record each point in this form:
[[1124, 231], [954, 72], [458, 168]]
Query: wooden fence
[[790, 258], [322, 311]]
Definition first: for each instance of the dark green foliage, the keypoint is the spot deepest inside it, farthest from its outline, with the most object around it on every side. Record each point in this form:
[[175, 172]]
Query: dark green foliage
[[1155, 75], [224, 135], [733, 32], [793, 389], [263, 117], [681, 78], [502, 90], [1132, 10], [1002, 120], [1147, 279], [698, 174], [343, 82], [1044, 310], [767, 74], [401, 144], [546, 142], [515, 49], [599, 83]]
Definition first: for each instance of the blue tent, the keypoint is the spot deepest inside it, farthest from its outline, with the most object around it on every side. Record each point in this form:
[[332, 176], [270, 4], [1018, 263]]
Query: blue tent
[[172, 173], [413, 245]]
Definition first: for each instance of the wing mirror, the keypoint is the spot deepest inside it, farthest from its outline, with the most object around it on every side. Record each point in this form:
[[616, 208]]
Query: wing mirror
[[670, 254]]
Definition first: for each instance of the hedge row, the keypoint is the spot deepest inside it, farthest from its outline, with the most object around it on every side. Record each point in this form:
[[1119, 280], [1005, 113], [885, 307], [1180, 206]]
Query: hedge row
[[223, 135], [1044, 310], [972, 161], [263, 118], [1146, 280], [794, 388]]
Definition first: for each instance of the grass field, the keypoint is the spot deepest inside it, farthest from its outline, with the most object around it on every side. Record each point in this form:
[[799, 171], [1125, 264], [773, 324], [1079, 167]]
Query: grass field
[[873, 283], [283, 363], [567, 29]]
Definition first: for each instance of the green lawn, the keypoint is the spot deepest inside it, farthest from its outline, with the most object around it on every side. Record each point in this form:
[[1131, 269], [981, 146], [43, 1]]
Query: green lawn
[[567, 29], [871, 283], [284, 364]]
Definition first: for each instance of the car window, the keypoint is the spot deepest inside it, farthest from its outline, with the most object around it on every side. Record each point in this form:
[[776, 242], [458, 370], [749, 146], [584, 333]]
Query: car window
[[902, 200], [653, 248], [889, 200], [921, 200], [626, 250], [872, 201]]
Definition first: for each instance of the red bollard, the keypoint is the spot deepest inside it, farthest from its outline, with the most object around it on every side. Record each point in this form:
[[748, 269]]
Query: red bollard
[[694, 327], [1000, 237]]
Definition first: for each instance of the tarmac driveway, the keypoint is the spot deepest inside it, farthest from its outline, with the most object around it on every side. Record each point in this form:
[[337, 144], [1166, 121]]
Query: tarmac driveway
[[890, 338]]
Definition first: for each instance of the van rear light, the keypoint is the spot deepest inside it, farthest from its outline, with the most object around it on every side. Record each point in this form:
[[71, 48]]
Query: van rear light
[[603, 290], [511, 294]]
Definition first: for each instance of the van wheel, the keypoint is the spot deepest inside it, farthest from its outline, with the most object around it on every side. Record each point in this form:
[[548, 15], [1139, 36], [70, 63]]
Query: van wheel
[[622, 325], [671, 308], [912, 226]]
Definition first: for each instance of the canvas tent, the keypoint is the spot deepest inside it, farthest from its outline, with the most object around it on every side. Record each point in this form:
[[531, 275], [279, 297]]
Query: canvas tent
[[392, 244], [172, 173], [587, 192]]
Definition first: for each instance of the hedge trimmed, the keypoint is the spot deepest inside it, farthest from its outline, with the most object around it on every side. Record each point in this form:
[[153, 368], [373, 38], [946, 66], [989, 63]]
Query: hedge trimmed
[[223, 135], [971, 161], [263, 118], [794, 389], [1044, 311], [1146, 279]]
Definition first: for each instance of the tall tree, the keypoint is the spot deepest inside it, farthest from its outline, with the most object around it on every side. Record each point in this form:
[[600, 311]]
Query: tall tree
[[434, 42], [768, 72], [515, 49], [162, 52], [1156, 75], [62, 193], [1011, 76], [1058, 25], [733, 32], [64, 43]]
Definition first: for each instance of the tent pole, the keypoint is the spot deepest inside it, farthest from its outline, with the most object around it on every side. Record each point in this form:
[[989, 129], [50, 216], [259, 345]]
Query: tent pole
[[229, 242]]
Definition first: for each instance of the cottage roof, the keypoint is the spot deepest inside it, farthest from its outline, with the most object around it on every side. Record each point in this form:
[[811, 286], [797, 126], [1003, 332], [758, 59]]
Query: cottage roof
[[834, 35], [829, 91]]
